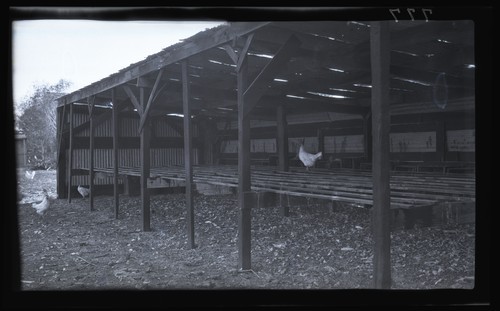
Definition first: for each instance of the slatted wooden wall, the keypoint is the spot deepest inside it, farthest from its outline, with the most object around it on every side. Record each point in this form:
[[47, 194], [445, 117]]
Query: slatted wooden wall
[[127, 157], [428, 137], [461, 140]]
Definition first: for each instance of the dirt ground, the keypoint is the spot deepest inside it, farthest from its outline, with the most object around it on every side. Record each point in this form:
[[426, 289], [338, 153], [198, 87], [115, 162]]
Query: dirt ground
[[317, 247]]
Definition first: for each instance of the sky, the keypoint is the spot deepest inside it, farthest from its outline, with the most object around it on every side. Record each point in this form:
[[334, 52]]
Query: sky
[[85, 51]]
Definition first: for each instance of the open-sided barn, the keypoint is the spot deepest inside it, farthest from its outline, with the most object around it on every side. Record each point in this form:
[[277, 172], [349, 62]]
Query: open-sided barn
[[390, 105]]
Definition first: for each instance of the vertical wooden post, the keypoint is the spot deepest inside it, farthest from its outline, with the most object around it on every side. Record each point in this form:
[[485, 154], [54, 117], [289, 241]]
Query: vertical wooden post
[[380, 62], [282, 139], [282, 143], [70, 153], [145, 167], [244, 179], [91, 150], [367, 133], [188, 154], [61, 154], [321, 140], [115, 152]]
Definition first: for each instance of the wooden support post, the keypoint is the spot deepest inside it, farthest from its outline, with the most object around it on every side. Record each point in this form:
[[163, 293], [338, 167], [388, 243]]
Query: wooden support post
[[146, 109], [244, 194], [380, 62], [188, 155], [367, 133], [70, 153], [321, 140], [282, 139], [115, 152], [133, 99], [91, 150], [61, 154], [282, 142], [145, 168]]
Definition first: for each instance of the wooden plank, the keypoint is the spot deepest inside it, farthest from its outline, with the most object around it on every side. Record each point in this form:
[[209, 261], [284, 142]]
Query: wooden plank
[[70, 153], [145, 115], [244, 232], [260, 84], [282, 139], [130, 142], [244, 179], [287, 185], [199, 43], [367, 136], [380, 61], [61, 121], [243, 55], [229, 50], [91, 157], [283, 163], [309, 104], [61, 154], [98, 119], [188, 155], [116, 132], [145, 169], [133, 99], [344, 185], [289, 182]]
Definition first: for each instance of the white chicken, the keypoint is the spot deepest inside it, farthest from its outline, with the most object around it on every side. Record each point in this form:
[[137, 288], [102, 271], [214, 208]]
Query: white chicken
[[30, 174], [307, 158], [43, 206], [83, 191]]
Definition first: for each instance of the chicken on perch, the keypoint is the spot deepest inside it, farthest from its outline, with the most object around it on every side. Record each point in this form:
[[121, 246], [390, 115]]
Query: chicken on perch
[[43, 206], [83, 191], [307, 158]]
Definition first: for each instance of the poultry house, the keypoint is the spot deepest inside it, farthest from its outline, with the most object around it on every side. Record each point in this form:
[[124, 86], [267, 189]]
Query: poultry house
[[307, 158], [83, 191], [43, 206]]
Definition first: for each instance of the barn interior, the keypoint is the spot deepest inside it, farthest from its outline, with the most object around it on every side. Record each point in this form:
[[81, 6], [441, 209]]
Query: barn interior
[[387, 103]]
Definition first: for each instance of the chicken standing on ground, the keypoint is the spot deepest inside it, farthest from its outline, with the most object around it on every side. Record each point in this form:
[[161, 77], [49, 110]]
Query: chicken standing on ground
[[43, 206], [83, 191], [30, 174], [307, 158]]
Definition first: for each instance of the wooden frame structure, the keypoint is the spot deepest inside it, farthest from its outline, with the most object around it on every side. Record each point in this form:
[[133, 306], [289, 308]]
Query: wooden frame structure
[[266, 71]]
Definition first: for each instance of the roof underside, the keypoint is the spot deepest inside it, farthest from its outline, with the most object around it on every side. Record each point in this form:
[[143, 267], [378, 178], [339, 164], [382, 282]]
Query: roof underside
[[330, 71]]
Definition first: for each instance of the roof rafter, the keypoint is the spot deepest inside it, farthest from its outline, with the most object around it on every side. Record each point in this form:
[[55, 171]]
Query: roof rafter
[[169, 56]]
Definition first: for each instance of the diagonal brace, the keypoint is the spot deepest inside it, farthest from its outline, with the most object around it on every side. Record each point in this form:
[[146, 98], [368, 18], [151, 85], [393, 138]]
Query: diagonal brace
[[145, 114], [133, 99]]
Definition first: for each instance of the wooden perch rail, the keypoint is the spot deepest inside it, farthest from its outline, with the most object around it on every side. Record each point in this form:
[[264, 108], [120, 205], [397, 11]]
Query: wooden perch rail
[[344, 185]]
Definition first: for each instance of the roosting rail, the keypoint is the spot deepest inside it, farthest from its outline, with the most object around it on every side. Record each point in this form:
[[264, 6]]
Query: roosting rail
[[343, 185]]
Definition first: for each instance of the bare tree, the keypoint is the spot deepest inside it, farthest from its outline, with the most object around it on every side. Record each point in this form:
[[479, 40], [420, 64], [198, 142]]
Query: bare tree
[[38, 121]]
